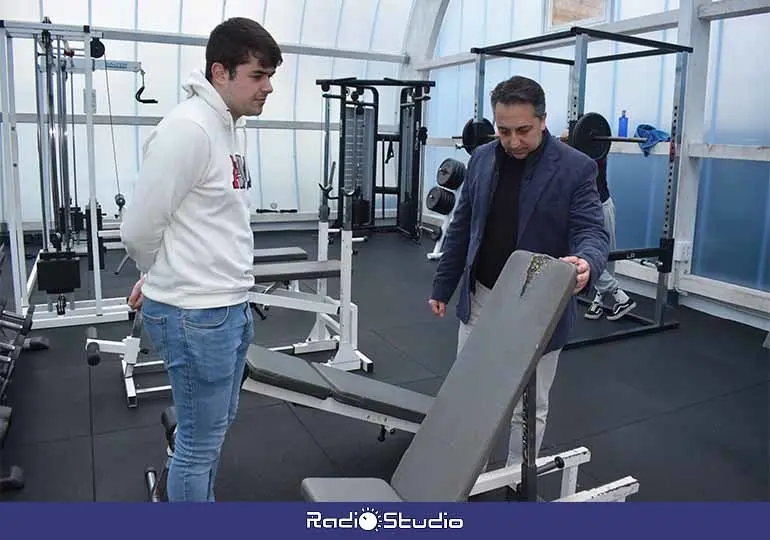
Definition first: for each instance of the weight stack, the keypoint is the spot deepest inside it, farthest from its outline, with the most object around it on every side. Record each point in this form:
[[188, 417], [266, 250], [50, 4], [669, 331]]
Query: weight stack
[[358, 171]]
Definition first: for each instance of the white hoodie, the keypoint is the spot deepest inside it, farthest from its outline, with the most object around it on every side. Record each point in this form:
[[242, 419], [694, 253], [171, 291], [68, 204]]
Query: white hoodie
[[187, 225]]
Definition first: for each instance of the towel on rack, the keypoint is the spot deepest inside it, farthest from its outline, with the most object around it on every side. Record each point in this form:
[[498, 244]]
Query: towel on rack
[[652, 135]]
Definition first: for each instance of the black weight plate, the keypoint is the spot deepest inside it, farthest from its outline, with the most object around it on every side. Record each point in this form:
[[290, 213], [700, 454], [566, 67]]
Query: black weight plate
[[450, 174], [477, 133], [589, 126], [440, 200]]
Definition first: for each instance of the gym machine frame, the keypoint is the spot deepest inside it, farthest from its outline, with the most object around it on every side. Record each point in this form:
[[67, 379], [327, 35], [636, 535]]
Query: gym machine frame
[[411, 138], [63, 260], [664, 253], [339, 335]]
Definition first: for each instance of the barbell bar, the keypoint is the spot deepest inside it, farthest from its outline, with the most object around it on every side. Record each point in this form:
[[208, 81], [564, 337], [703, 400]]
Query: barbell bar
[[591, 134]]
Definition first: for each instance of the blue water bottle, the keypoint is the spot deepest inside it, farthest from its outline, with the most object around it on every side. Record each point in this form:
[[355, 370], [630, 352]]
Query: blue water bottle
[[623, 125]]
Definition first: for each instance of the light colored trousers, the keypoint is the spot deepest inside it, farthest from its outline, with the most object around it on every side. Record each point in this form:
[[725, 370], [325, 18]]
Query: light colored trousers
[[546, 372], [607, 282]]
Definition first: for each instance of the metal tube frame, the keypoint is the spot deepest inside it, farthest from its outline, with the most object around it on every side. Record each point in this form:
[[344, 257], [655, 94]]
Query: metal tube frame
[[11, 172], [658, 47], [83, 312], [575, 109], [657, 323], [42, 149]]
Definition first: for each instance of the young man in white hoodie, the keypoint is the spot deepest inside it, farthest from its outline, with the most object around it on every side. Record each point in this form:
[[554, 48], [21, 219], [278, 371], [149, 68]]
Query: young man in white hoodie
[[188, 229]]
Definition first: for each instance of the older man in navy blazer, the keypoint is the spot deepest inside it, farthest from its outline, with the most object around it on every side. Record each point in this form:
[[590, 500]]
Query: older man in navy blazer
[[526, 190]]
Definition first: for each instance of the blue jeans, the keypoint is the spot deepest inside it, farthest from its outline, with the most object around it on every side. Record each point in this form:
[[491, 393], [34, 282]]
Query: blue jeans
[[204, 351]]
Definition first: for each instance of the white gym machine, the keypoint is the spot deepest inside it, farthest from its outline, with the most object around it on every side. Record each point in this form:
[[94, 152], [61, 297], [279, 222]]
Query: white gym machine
[[60, 52], [340, 334]]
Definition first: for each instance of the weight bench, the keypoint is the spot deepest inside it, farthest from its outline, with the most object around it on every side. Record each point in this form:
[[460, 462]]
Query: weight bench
[[261, 256], [129, 348], [327, 334], [455, 431], [279, 254]]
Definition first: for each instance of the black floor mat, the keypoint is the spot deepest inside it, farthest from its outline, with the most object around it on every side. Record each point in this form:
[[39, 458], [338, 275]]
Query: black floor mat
[[684, 411]]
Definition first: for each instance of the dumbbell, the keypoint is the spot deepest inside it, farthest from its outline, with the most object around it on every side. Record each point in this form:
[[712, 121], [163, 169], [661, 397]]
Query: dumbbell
[[17, 345], [93, 354], [10, 360], [14, 322]]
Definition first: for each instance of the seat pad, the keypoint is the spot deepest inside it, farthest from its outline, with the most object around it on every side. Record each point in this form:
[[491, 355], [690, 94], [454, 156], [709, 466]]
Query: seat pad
[[366, 393], [321, 381], [348, 490], [285, 371], [296, 270], [281, 254]]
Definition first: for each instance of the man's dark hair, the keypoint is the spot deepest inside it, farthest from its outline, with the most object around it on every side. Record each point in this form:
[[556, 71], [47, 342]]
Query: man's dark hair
[[517, 90], [235, 40]]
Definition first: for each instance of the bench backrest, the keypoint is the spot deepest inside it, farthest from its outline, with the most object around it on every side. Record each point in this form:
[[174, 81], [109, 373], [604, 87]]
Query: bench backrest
[[477, 398]]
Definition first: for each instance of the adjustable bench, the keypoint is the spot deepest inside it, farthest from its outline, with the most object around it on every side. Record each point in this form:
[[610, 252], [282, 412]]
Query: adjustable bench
[[261, 256], [327, 334], [280, 254], [455, 431], [446, 457], [129, 348]]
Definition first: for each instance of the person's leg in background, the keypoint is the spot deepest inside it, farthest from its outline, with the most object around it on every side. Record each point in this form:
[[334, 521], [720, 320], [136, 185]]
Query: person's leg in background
[[202, 350], [546, 372], [606, 282]]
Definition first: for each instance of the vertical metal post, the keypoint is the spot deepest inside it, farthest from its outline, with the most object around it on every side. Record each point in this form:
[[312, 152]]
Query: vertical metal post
[[54, 170], [64, 167], [667, 236], [42, 148], [88, 70], [528, 490], [478, 106], [11, 172], [577, 83]]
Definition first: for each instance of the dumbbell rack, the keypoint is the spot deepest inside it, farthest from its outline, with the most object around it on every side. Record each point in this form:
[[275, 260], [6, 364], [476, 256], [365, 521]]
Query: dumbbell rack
[[10, 351], [442, 199], [129, 349]]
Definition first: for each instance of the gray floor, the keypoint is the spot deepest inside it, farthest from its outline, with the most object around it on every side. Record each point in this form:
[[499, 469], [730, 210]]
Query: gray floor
[[685, 411]]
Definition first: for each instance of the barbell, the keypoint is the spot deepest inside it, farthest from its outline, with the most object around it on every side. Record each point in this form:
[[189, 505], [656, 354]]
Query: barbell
[[591, 135]]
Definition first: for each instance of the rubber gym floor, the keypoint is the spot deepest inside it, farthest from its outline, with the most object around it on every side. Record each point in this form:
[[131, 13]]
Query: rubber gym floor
[[684, 411]]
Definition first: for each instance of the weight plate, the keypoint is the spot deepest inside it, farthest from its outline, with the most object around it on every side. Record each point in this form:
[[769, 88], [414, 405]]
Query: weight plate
[[589, 126], [450, 174], [440, 200], [477, 133]]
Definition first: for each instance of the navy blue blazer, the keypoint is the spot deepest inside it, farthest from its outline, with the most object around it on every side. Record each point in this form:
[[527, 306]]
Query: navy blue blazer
[[559, 215]]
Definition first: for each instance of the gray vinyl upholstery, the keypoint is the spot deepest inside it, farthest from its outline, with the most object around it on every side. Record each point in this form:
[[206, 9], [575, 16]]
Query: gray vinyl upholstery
[[349, 490], [365, 393], [296, 270], [320, 381], [287, 372], [280, 254], [477, 398]]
